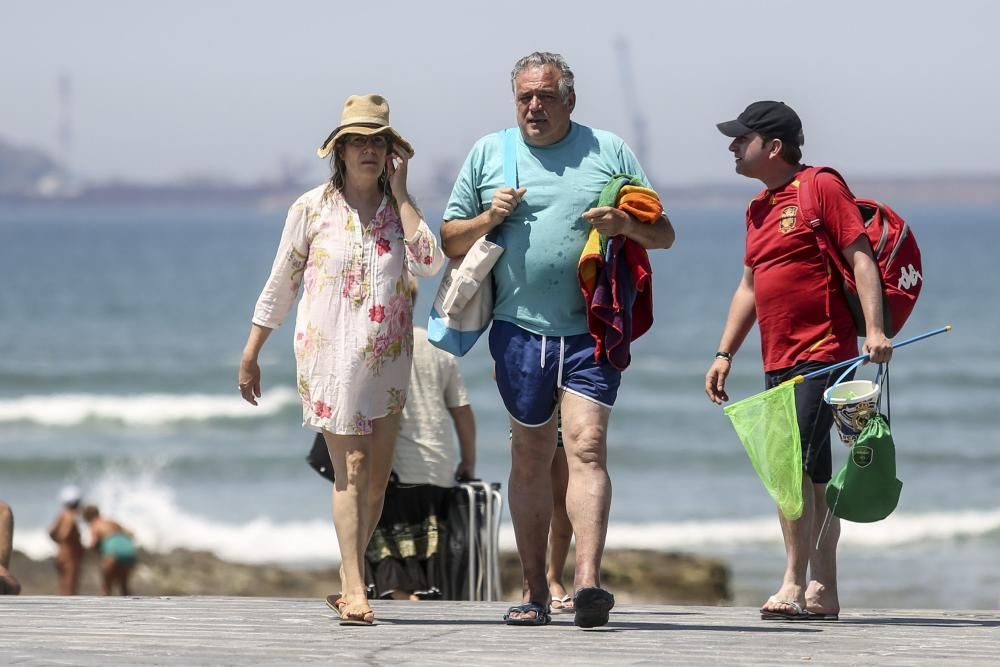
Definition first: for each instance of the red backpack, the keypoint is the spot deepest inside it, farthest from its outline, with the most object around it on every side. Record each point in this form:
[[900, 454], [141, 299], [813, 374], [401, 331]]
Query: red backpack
[[893, 245]]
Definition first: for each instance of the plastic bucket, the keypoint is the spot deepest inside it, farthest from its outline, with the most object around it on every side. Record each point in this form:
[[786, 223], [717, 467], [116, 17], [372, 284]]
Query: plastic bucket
[[853, 404]]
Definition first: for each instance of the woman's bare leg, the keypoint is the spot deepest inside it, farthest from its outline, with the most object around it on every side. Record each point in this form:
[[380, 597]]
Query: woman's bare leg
[[384, 433], [352, 471], [361, 466]]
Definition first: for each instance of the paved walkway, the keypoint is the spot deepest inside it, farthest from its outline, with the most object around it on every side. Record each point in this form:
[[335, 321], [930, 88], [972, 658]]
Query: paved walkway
[[267, 631]]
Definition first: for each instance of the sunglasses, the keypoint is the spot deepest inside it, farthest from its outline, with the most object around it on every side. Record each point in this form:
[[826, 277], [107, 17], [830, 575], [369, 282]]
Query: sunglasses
[[362, 140]]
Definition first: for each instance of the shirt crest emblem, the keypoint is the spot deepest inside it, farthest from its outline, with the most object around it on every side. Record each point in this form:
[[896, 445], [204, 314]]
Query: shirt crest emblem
[[786, 222]]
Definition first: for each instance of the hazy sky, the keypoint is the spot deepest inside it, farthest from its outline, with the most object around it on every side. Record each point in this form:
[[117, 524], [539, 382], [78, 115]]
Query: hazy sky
[[166, 89]]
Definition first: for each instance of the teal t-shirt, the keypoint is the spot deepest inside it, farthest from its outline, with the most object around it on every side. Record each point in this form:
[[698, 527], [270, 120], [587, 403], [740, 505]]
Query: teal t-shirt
[[535, 279]]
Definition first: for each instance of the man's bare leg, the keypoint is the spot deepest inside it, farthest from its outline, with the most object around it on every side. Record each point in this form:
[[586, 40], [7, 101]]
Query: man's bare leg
[[126, 574], [530, 497], [62, 581], [560, 534], [9, 585], [821, 593], [561, 530], [109, 574], [588, 490], [798, 548], [120, 573], [68, 570]]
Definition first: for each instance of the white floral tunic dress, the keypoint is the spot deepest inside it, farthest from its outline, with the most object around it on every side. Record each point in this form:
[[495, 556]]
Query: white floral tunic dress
[[354, 326]]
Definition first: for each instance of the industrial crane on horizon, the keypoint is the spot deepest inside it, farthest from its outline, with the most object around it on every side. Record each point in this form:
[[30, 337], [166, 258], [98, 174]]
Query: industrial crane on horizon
[[639, 141]]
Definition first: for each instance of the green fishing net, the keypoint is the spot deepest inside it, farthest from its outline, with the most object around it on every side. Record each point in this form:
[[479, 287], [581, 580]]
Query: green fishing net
[[767, 427]]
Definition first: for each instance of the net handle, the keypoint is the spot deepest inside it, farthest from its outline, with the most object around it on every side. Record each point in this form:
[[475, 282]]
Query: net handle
[[798, 379]]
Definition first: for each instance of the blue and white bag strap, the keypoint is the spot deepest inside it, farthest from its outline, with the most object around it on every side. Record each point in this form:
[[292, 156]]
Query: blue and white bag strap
[[508, 139]]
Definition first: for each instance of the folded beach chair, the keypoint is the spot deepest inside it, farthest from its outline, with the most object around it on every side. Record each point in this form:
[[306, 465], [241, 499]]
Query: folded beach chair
[[472, 553]]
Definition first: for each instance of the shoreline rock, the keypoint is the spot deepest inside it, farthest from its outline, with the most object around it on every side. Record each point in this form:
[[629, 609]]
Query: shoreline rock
[[632, 574]]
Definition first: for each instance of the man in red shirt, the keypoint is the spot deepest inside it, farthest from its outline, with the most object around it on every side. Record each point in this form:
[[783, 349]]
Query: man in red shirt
[[791, 290]]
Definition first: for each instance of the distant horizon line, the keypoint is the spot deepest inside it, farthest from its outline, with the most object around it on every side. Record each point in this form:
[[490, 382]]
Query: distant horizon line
[[973, 188], [224, 180]]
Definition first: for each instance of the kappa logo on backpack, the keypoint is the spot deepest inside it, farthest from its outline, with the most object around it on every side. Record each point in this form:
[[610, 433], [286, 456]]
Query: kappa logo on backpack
[[893, 244]]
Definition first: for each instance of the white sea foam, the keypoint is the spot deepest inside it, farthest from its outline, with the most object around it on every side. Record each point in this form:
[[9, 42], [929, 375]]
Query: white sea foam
[[151, 510], [899, 529], [64, 410]]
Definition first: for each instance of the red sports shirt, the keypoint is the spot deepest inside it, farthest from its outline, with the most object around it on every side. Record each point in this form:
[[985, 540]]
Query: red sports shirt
[[801, 310]]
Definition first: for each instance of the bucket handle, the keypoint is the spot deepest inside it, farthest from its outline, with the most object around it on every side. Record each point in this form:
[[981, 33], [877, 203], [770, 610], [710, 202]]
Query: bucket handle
[[850, 369]]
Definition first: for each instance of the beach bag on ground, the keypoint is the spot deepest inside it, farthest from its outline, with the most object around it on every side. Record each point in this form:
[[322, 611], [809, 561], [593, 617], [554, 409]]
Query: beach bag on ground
[[893, 244], [463, 305], [866, 488]]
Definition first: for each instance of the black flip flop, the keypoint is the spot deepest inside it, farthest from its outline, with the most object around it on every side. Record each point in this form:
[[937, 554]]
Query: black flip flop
[[542, 616], [593, 607]]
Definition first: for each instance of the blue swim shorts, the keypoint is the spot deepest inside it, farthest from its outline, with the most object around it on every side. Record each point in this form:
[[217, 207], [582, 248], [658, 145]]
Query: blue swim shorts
[[532, 369]]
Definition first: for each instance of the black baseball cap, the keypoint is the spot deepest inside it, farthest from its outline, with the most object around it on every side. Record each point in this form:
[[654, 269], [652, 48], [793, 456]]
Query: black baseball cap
[[772, 119]]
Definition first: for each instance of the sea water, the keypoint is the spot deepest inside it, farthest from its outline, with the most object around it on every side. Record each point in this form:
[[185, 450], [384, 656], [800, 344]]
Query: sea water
[[121, 330]]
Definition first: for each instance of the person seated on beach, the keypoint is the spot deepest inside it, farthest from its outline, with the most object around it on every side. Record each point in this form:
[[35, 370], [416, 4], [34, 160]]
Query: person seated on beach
[[406, 555], [9, 585], [66, 534], [116, 548]]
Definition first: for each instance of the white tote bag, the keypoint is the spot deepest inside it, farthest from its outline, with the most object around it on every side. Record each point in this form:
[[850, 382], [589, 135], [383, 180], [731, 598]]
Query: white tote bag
[[464, 278]]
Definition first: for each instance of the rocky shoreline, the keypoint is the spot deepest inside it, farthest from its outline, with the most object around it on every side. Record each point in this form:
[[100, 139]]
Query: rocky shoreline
[[633, 574]]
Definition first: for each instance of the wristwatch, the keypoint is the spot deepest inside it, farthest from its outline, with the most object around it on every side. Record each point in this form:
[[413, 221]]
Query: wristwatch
[[724, 355]]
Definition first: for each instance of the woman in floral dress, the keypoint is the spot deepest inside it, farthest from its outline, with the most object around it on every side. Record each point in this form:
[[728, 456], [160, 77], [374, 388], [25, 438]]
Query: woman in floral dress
[[353, 244]]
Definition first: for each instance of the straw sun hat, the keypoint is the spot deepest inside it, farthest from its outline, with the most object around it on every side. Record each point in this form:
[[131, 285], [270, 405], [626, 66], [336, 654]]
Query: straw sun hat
[[364, 114]]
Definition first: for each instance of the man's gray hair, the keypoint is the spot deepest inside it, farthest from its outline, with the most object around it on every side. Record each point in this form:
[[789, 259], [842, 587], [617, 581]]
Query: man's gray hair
[[540, 59]]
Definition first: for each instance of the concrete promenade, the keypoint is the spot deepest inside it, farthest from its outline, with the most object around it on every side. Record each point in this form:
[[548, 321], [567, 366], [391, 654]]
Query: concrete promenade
[[267, 631]]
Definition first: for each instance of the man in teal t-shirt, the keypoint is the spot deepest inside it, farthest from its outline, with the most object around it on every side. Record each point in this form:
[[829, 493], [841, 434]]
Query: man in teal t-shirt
[[540, 343]]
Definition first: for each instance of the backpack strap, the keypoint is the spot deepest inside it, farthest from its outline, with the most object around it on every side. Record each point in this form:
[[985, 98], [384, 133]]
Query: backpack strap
[[810, 212], [808, 206]]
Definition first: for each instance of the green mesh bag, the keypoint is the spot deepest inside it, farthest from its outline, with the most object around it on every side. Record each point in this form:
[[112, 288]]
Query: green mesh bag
[[768, 429]]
